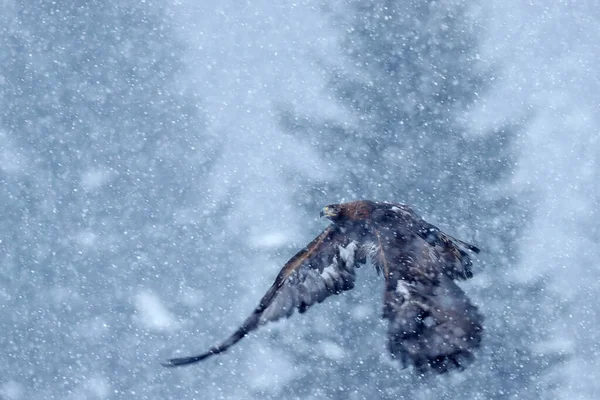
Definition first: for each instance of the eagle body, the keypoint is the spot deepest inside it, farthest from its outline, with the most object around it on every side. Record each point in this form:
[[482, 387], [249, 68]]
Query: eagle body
[[432, 325]]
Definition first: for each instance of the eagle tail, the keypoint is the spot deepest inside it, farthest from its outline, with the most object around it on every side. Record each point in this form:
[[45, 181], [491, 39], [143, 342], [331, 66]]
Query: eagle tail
[[432, 328]]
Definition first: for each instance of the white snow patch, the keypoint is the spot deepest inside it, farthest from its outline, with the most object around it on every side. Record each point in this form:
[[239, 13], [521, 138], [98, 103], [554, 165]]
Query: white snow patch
[[558, 345], [269, 240], [11, 162], [86, 238], [99, 387], [151, 313], [332, 350], [361, 312], [94, 178], [11, 390], [273, 370], [5, 297]]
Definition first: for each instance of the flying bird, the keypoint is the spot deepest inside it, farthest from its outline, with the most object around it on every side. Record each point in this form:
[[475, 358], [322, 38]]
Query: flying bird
[[432, 324]]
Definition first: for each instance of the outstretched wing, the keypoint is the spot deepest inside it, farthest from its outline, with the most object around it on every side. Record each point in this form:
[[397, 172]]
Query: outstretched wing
[[432, 323], [324, 267], [456, 262]]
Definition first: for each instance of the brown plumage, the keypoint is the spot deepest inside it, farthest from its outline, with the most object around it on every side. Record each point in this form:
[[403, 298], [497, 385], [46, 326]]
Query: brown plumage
[[432, 324]]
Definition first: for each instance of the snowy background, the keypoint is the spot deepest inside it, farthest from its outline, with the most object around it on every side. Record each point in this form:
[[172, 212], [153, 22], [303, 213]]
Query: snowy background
[[159, 162]]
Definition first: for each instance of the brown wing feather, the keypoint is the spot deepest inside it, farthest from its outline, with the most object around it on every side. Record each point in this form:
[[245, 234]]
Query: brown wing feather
[[456, 261], [432, 324], [324, 267]]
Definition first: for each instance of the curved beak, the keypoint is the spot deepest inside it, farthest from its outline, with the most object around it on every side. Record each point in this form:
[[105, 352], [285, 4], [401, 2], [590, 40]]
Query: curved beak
[[327, 212]]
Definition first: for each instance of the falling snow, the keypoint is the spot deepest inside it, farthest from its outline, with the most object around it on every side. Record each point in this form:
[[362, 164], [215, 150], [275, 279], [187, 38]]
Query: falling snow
[[159, 162]]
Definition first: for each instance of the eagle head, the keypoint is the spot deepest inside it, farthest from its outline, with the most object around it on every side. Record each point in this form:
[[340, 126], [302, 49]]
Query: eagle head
[[332, 211], [352, 211]]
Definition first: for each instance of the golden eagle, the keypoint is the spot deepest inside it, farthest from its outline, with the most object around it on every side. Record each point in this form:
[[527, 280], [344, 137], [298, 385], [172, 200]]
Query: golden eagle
[[432, 323]]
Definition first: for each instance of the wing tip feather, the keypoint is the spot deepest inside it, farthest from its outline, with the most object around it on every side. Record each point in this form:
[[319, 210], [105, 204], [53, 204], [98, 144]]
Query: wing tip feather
[[180, 361], [474, 249]]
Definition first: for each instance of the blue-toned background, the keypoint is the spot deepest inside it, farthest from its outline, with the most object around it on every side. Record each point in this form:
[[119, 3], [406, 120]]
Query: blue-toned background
[[160, 161]]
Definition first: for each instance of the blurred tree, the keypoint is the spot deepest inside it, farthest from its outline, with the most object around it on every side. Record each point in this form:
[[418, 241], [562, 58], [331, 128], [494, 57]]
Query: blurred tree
[[104, 154], [412, 74]]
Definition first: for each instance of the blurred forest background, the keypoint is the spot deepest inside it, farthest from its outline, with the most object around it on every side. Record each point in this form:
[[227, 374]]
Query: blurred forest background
[[159, 162]]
